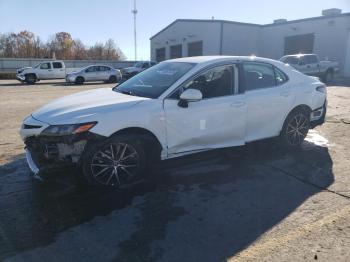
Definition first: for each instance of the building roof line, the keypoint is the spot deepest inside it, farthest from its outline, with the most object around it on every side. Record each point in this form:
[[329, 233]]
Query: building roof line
[[250, 24]]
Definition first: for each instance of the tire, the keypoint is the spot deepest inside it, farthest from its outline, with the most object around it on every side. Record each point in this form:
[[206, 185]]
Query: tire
[[118, 161], [328, 77], [112, 79], [295, 128], [30, 79], [79, 80]]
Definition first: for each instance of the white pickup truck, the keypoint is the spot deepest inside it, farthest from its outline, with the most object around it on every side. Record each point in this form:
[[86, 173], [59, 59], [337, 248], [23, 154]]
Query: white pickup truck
[[310, 64], [42, 71]]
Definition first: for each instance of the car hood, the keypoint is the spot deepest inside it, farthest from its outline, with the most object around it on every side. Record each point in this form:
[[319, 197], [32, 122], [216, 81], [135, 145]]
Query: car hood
[[21, 70], [85, 106]]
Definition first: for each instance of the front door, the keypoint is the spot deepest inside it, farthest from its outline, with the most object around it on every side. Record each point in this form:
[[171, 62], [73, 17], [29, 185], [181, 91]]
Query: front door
[[218, 120], [45, 71]]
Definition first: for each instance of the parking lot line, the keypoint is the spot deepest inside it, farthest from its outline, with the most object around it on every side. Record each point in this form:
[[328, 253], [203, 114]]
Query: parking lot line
[[263, 246]]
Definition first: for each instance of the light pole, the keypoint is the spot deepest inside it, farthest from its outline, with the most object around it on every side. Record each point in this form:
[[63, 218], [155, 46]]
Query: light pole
[[134, 11]]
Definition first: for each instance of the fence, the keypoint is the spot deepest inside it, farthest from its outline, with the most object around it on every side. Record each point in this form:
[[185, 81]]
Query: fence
[[10, 65]]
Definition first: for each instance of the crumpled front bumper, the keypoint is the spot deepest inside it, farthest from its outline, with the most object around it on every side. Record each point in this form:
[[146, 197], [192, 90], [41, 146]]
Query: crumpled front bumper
[[20, 77]]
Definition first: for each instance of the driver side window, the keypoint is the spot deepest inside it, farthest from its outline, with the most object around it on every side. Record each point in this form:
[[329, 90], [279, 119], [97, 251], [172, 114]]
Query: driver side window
[[213, 83], [45, 66]]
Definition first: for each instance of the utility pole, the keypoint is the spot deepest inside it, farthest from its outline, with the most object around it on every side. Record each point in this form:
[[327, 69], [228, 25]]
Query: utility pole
[[134, 11]]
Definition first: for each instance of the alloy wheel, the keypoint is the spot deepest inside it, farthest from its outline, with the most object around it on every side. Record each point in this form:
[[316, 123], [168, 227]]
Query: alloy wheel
[[115, 164], [297, 129]]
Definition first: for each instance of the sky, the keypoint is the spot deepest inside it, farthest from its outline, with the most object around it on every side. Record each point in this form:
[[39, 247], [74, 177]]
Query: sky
[[98, 20]]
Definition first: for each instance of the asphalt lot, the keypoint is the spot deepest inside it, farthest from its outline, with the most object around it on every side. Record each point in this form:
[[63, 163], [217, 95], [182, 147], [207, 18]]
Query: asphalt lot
[[261, 203]]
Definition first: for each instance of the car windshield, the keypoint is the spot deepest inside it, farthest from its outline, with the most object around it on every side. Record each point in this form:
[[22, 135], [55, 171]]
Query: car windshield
[[138, 64], [155, 80], [292, 60]]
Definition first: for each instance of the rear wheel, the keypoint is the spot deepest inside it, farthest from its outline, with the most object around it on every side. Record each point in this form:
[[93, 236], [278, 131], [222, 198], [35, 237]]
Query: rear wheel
[[79, 80], [328, 77], [30, 79], [112, 79], [295, 128], [117, 162]]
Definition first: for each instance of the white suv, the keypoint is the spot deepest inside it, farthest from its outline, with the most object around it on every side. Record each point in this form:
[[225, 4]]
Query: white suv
[[177, 107]]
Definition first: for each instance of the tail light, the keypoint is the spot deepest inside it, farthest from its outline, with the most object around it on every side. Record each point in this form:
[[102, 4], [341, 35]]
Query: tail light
[[321, 89]]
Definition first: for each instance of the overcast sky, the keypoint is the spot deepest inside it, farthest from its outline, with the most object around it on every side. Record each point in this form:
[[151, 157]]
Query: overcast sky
[[97, 20]]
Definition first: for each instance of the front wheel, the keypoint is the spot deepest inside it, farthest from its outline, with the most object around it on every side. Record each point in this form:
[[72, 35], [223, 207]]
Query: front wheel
[[295, 128], [79, 80], [112, 79], [117, 162], [30, 79]]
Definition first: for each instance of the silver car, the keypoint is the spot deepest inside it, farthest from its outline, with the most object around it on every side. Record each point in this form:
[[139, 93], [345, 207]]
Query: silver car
[[94, 73]]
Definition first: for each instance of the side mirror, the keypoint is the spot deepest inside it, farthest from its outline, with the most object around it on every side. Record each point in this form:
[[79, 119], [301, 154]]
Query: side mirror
[[189, 95], [301, 62]]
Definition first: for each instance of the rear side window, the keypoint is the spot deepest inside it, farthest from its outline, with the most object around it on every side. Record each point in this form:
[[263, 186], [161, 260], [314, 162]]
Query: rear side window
[[57, 65], [310, 59], [280, 77], [45, 66], [258, 76]]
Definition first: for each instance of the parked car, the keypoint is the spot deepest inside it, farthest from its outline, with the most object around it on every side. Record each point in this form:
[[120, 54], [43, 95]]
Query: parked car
[[136, 68], [94, 73], [42, 71], [175, 108], [310, 64]]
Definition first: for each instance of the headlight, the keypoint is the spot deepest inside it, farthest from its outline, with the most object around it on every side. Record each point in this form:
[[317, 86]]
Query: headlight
[[61, 130]]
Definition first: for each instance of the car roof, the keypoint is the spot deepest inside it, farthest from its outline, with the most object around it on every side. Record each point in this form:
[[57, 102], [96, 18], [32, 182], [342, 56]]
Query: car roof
[[209, 59], [298, 55]]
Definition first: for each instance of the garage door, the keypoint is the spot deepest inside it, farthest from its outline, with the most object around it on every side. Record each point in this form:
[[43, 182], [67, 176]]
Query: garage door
[[299, 44], [160, 54], [176, 51], [195, 48]]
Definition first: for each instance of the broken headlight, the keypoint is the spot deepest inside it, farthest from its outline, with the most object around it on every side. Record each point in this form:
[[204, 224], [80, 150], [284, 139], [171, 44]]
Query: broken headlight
[[61, 130]]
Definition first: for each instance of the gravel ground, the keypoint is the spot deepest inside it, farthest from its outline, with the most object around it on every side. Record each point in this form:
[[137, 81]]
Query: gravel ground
[[267, 204]]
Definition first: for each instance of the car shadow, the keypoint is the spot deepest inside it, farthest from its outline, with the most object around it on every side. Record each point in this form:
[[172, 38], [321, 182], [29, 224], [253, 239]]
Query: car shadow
[[205, 207]]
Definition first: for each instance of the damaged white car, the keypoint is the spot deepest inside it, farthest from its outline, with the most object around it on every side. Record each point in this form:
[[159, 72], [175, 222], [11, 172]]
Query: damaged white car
[[177, 107]]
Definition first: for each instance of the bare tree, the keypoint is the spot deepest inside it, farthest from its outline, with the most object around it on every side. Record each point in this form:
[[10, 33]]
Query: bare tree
[[61, 45]]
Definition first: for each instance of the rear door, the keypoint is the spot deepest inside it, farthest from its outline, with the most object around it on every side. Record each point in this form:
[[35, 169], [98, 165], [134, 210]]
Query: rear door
[[58, 70], [104, 73], [309, 65], [91, 73], [269, 98]]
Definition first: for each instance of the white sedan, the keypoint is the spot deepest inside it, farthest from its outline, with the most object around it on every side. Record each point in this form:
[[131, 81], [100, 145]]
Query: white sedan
[[177, 107]]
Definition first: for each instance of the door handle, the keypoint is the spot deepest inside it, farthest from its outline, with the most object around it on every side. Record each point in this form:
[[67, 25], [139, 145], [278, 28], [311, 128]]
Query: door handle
[[284, 93], [49, 70], [238, 104]]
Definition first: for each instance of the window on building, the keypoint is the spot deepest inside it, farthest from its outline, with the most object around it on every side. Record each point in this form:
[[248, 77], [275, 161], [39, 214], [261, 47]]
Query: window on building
[[195, 48], [258, 76], [57, 65], [160, 54], [175, 51], [45, 66], [297, 44]]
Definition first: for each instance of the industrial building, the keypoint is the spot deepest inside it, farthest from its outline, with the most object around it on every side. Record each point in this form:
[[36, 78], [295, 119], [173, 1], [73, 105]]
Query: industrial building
[[327, 36]]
